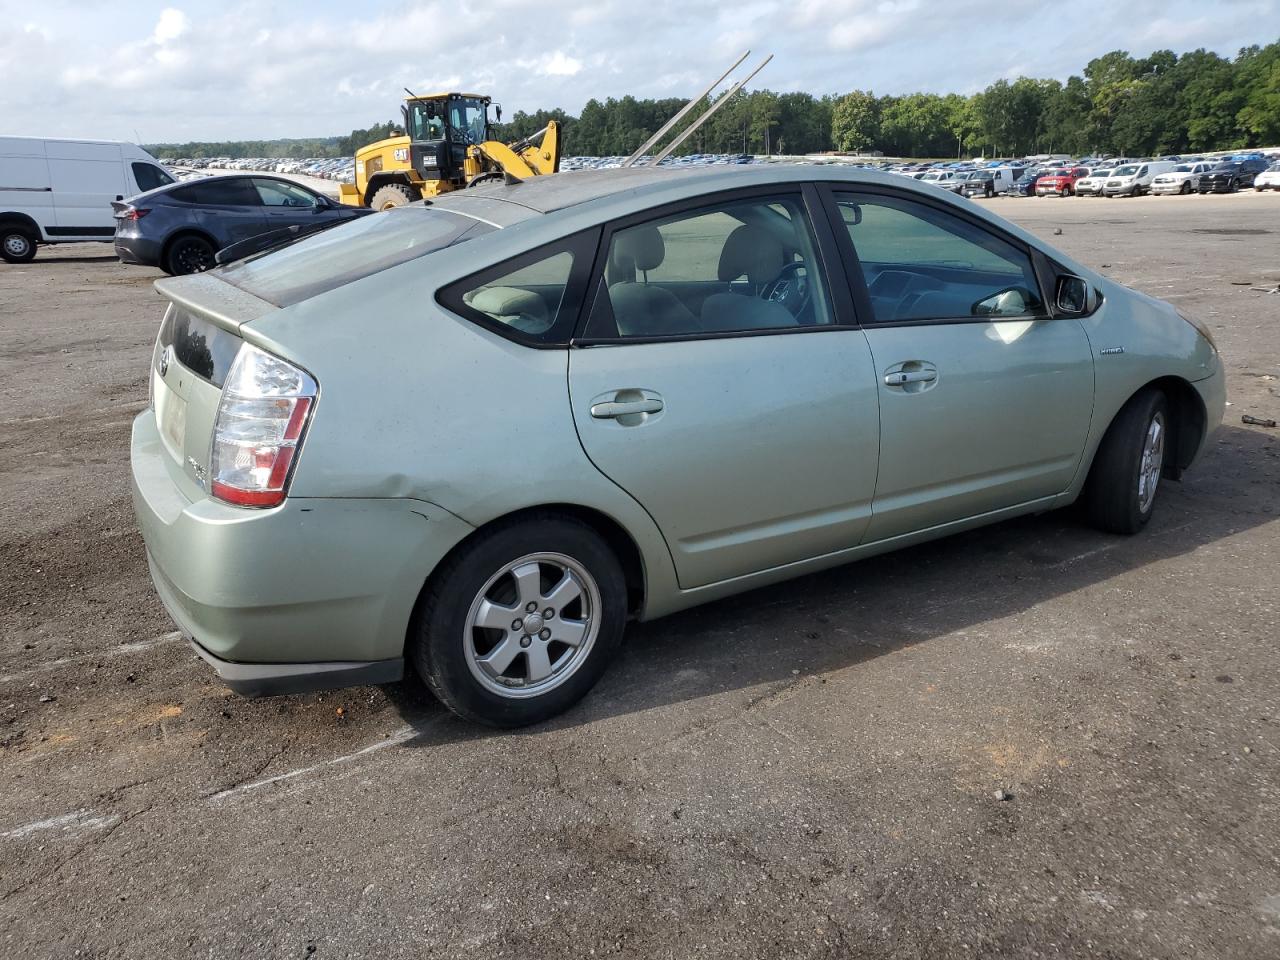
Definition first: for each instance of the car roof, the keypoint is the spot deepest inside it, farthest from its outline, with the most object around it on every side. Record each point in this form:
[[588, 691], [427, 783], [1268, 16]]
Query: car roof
[[168, 188], [628, 187]]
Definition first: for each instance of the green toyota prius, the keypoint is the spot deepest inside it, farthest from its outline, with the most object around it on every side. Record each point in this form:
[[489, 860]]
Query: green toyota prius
[[478, 435]]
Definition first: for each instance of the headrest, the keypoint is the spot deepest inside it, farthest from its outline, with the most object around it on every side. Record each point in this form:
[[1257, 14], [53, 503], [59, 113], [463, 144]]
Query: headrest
[[507, 302], [752, 252], [643, 245]]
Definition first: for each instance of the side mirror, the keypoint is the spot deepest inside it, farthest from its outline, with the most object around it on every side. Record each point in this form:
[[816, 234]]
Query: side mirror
[[1075, 296], [497, 112], [851, 213]]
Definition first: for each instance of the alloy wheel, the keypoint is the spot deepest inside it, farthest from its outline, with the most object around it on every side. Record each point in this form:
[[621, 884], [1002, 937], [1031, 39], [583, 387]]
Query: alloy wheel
[[1152, 462], [532, 625], [193, 256]]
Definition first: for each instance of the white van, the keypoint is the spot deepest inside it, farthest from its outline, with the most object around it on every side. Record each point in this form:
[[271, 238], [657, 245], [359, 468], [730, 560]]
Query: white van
[[1135, 179], [60, 191]]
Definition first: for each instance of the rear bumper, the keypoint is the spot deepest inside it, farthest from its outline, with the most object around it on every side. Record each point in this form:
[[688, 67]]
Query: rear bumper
[[136, 250], [275, 679], [315, 592]]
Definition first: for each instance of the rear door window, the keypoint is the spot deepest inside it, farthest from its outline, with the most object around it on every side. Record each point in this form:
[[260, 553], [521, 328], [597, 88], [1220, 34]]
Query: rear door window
[[220, 192], [737, 267]]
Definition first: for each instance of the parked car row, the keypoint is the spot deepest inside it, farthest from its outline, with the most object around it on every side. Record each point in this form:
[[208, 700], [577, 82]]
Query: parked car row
[[341, 169], [1132, 178]]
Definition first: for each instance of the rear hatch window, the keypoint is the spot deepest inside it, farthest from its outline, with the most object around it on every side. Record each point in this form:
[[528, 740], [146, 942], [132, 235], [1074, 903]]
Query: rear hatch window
[[350, 252], [192, 358]]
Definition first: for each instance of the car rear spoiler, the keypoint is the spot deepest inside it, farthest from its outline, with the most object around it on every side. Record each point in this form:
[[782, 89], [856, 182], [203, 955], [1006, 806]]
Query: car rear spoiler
[[210, 297]]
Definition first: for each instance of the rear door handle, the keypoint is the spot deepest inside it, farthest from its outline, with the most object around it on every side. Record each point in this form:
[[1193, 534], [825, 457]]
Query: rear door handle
[[910, 376], [612, 409]]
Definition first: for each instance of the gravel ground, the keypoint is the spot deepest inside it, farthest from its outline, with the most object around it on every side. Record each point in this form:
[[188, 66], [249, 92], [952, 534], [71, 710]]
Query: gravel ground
[[1031, 740]]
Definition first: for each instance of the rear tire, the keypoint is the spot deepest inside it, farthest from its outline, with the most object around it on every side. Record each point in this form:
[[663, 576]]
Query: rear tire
[[17, 243], [393, 195], [189, 254], [499, 577], [1120, 494]]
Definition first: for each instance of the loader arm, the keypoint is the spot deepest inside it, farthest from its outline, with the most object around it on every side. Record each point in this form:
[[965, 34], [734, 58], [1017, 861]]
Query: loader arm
[[533, 156]]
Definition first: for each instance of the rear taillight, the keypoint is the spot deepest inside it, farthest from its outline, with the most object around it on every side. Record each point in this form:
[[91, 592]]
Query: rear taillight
[[132, 213], [262, 416]]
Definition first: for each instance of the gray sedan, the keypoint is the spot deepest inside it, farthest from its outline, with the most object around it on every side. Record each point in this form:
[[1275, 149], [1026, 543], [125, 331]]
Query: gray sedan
[[479, 435]]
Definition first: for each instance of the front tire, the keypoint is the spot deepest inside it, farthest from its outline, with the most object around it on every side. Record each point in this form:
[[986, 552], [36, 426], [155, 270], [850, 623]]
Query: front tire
[[1120, 494], [1186, 187], [521, 622], [393, 195], [17, 245]]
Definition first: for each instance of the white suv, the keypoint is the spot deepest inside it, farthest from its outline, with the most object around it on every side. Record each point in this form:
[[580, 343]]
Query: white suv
[[1184, 178]]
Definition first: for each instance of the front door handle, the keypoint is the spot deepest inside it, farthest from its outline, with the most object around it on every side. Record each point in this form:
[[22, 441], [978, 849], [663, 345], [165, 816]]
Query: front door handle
[[910, 376], [613, 409]]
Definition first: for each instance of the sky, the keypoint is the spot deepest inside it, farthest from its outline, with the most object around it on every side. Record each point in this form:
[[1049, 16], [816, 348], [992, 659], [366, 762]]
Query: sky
[[189, 70]]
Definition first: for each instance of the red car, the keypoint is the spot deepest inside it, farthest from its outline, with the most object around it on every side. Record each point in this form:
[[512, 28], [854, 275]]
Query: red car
[[1063, 182]]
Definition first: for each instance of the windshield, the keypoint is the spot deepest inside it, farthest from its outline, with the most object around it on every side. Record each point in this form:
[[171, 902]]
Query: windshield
[[467, 119], [1227, 166], [422, 126], [351, 252], [982, 175], [1125, 171], [1181, 168]]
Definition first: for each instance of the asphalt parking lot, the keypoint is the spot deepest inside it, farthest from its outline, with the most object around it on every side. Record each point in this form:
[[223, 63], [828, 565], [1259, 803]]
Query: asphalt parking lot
[[1032, 740]]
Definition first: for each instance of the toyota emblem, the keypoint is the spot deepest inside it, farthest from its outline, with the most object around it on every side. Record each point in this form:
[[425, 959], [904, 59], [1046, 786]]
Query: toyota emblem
[[164, 360]]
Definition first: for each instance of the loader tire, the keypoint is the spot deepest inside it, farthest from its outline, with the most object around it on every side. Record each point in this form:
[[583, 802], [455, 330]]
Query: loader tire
[[393, 195]]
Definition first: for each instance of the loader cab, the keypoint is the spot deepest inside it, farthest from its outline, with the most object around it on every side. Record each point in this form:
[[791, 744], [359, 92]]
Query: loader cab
[[440, 129]]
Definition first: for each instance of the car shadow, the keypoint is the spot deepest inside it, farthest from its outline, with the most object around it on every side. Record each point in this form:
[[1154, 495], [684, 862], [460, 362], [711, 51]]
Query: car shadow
[[838, 618], [41, 259]]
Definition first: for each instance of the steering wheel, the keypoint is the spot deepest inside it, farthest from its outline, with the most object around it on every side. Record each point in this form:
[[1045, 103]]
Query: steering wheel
[[790, 288]]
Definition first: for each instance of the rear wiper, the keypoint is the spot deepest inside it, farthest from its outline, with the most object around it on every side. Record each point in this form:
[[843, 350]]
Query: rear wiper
[[271, 240]]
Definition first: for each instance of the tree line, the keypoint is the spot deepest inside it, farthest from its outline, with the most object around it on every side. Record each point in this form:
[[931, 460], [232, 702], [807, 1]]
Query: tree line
[[1163, 103]]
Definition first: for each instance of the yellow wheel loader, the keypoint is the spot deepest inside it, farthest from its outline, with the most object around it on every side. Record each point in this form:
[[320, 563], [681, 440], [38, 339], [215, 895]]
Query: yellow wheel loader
[[447, 145]]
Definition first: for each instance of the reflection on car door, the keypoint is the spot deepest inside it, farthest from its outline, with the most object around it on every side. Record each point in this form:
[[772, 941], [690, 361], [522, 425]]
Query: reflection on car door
[[751, 447], [228, 208], [985, 403], [286, 204]]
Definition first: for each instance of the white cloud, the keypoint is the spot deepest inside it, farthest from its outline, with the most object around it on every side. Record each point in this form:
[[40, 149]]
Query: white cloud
[[171, 25], [560, 65]]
